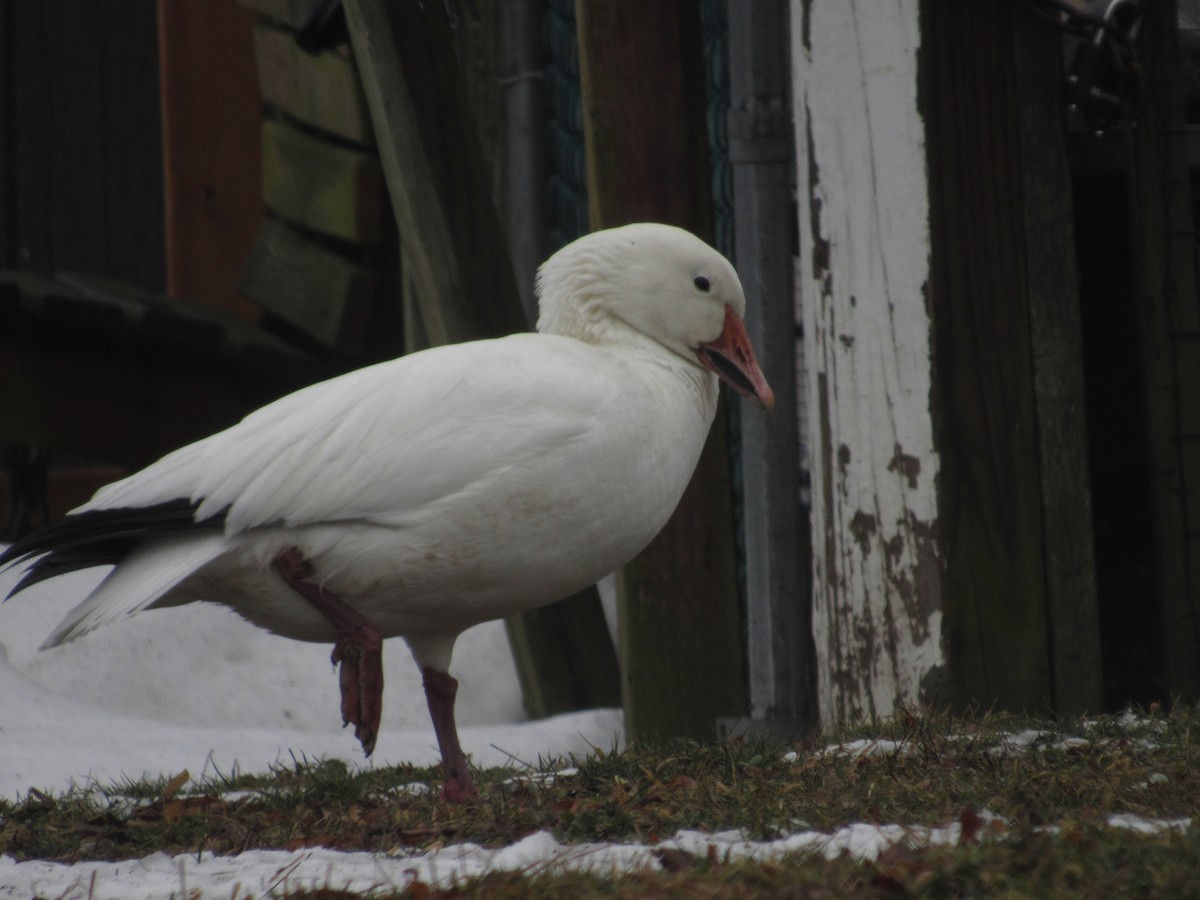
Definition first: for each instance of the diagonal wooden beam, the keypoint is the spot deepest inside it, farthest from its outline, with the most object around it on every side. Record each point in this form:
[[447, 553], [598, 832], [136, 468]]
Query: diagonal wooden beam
[[455, 254], [450, 235]]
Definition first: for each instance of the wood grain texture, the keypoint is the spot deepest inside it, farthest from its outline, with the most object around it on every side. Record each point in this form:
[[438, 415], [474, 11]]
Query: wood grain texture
[[777, 543], [641, 110], [1168, 314], [990, 504], [457, 269], [878, 599], [681, 643], [1056, 339], [322, 90], [335, 190], [211, 110], [450, 234], [319, 291]]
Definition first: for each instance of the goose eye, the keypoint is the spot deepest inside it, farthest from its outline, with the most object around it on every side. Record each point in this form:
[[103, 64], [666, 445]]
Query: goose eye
[[702, 283]]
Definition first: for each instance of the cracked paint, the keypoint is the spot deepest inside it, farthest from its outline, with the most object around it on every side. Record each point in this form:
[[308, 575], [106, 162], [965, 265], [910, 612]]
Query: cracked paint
[[862, 290], [906, 464], [864, 527]]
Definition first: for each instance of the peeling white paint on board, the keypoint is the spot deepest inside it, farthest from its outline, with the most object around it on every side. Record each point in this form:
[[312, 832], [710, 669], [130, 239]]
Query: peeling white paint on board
[[864, 248]]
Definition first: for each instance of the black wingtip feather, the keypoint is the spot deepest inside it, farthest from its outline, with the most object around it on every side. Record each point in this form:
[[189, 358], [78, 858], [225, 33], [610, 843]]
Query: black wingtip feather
[[99, 537]]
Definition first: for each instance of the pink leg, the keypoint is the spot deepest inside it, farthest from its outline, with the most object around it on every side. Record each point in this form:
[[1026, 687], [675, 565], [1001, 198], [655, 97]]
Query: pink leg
[[440, 691], [359, 649]]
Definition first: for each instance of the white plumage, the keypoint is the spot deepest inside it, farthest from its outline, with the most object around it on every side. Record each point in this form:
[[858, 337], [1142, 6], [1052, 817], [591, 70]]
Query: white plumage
[[445, 488]]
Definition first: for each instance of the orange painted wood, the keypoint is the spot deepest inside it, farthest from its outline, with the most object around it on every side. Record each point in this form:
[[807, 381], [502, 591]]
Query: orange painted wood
[[211, 112]]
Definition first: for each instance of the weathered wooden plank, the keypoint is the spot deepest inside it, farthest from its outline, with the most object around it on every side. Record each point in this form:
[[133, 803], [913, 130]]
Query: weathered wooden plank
[[867, 349], [329, 188], [647, 157], [211, 112], [1057, 344], [478, 39], [452, 242], [952, 546], [317, 290], [455, 258], [990, 485], [1165, 295], [322, 90], [619, 46], [777, 542]]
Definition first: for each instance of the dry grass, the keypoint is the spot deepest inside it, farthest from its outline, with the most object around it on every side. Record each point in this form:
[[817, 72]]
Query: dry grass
[[1052, 795]]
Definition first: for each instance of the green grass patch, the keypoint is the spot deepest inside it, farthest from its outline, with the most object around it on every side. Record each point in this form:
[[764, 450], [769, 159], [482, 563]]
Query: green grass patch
[[1052, 786]]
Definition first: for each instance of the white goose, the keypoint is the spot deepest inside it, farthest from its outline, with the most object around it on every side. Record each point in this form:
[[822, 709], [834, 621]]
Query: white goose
[[421, 496]]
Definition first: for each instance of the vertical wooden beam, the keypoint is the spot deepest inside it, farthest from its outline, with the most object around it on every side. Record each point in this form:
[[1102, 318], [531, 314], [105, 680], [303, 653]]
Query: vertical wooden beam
[[1169, 335], [1057, 343], [952, 530], [212, 116], [1022, 613], [642, 76], [457, 262], [777, 541], [867, 348], [997, 624]]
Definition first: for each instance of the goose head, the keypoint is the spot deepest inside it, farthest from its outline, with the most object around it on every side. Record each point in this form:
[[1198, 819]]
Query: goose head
[[659, 282]]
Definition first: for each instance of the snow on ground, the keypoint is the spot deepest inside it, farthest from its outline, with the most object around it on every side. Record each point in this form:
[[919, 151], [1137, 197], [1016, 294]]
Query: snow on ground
[[259, 873], [197, 688], [270, 872]]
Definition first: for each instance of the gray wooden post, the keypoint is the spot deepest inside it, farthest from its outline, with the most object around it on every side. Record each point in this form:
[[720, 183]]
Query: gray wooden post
[[779, 618]]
